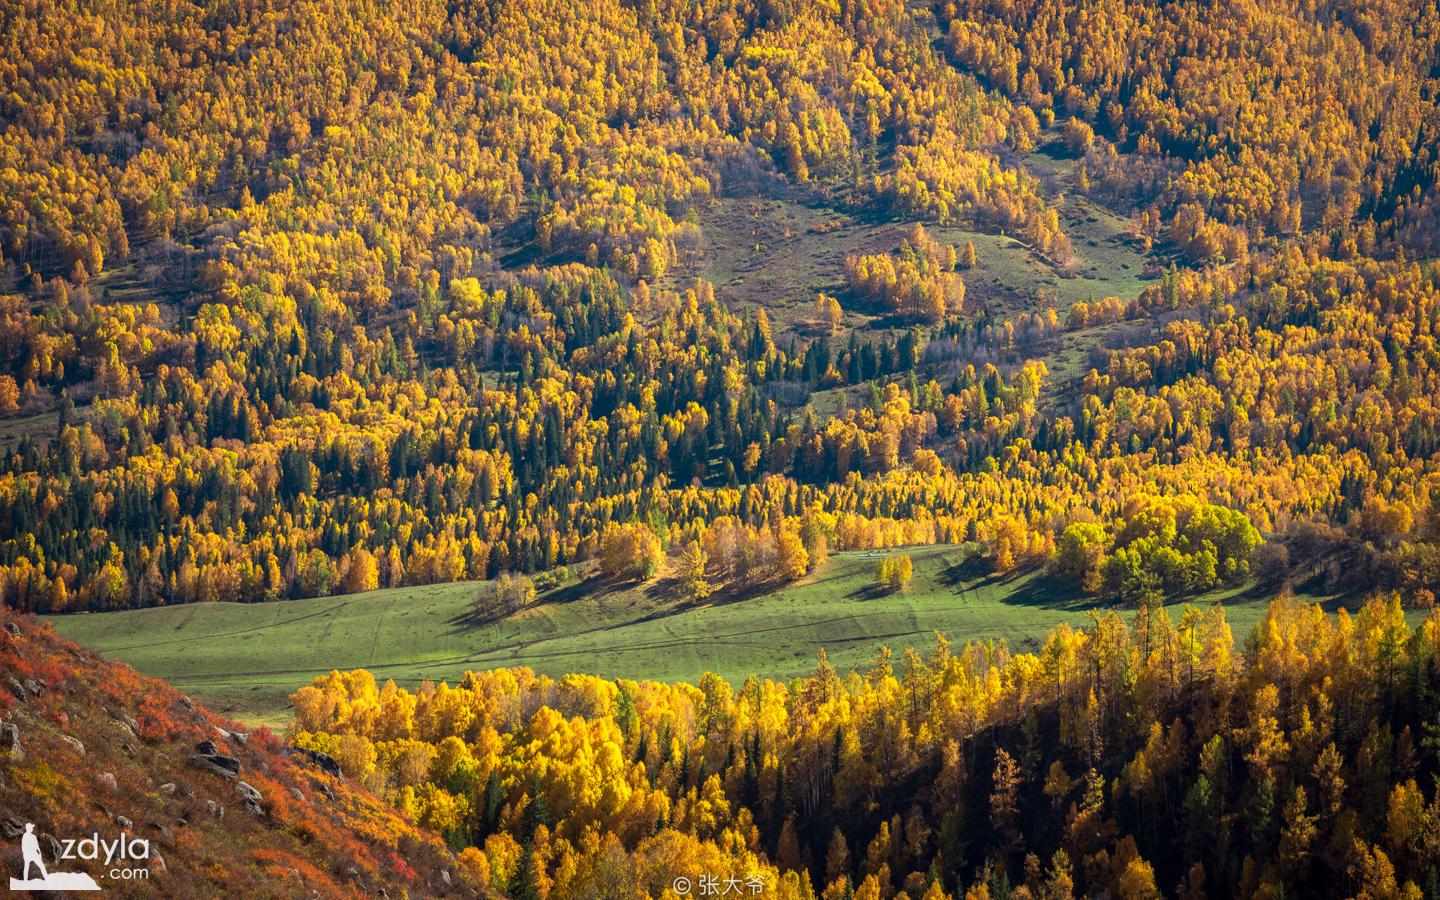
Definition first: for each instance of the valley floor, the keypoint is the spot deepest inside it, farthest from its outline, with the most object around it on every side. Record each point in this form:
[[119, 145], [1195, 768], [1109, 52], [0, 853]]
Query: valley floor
[[246, 659]]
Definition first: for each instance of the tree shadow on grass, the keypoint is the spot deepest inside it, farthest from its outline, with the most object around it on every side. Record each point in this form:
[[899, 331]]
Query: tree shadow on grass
[[576, 590], [1042, 589], [473, 618], [870, 591], [737, 591], [1314, 586], [972, 568], [1050, 591]]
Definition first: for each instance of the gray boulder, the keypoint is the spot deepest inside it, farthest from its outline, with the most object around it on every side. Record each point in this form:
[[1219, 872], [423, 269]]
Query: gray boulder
[[323, 761], [10, 741], [216, 763]]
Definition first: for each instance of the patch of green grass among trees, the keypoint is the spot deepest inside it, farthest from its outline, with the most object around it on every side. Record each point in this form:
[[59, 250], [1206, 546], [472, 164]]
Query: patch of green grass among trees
[[246, 659]]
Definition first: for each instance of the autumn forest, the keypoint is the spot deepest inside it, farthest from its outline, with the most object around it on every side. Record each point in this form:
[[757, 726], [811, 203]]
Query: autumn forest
[[681, 304]]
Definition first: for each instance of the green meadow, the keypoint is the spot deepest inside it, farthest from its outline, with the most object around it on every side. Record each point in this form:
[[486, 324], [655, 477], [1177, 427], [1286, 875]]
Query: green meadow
[[245, 659]]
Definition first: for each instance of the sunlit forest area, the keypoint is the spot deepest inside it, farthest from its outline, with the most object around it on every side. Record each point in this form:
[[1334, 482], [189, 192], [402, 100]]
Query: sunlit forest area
[[307, 300]]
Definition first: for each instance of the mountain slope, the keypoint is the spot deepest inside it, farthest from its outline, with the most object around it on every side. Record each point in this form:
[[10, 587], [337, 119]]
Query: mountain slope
[[92, 748]]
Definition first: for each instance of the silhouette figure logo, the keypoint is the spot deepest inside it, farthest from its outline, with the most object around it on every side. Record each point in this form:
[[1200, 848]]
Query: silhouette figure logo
[[48, 881]]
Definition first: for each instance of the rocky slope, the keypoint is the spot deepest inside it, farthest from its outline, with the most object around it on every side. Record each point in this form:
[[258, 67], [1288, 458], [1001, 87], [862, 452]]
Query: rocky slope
[[90, 749]]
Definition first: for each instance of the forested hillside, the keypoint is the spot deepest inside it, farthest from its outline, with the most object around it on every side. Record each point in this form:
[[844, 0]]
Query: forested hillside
[[639, 311], [1114, 762], [313, 298]]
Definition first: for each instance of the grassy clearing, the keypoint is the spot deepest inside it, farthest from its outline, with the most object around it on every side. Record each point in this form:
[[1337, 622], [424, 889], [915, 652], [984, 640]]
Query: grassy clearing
[[778, 252], [40, 427], [246, 659]]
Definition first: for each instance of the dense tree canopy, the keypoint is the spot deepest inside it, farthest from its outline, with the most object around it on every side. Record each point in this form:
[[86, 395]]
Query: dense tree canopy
[[299, 299], [1120, 761], [316, 299]]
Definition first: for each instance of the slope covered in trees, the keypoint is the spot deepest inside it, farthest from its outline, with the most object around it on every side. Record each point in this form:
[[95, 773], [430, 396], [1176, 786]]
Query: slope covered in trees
[[1247, 119], [332, 384], [307, 300], [304, 299], [1114, 761]]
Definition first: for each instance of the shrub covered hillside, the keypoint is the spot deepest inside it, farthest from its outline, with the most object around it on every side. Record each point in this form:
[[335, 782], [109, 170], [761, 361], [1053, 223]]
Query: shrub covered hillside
[[90, 747], [1159, 759]]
